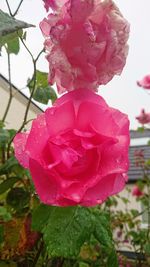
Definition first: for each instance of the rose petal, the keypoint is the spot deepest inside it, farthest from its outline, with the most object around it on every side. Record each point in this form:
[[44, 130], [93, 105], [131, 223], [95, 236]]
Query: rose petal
[[107, 186], [20, 141], [60, 118], [46, 186], [37, 138]]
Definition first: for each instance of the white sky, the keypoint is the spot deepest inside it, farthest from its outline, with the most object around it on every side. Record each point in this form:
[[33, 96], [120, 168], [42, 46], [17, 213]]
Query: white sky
[[122, 92]]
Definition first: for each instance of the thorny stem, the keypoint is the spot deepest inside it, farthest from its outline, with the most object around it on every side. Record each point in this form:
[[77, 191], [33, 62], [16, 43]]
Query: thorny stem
[[9, 69], [34, 61], [9, 9], [17, 9], [10, 88], [15, 13]]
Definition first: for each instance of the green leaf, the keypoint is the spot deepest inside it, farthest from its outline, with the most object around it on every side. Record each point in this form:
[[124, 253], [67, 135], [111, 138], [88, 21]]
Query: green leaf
[[66, 231], [140, 129], [11, 43], [102, 231], [147, 249], [4, 137], [18, 198], [4, 214], [112, 259], [9, 164], [103, 234], [43, 91], [10, 25], [8, 184], [40, 217], [1, 233]]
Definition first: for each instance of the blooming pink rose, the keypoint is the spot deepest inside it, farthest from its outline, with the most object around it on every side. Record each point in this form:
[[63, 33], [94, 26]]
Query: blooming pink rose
[[145, 82], [86, 42], [77, 151], [136, 191], [144, 117]]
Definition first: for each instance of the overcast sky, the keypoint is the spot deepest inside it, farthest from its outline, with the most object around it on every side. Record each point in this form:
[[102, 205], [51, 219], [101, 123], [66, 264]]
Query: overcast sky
[[122, 92]]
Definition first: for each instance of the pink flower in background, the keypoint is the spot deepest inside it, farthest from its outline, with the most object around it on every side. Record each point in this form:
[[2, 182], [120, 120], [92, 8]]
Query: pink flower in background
[[86, 43], [77, 151], [144, 117], [139, 153], [139, 157], [145, 82], [136, 191]]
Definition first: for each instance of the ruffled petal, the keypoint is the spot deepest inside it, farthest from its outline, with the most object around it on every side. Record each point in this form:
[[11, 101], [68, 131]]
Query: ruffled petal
[[107, 186], [60, 118]]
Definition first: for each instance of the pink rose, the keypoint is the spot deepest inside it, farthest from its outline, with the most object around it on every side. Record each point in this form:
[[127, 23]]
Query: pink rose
[[145, 82], [144, 117], [136, 191], [77, 151], [86, 42], [54, 4]]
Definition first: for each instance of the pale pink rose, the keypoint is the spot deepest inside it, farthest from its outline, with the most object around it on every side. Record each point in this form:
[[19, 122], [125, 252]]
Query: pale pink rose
[[86, 44], [144, 117], [145, 82], [54, 4], [77, 151], [136, 191]]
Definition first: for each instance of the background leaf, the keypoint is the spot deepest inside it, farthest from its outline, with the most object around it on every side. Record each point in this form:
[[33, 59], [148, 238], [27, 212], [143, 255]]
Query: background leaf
[[43, 91], [8, 184], [40, 217], [10, 25]]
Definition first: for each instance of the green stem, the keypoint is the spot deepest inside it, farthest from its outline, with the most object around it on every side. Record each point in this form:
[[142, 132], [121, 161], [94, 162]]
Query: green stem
[[15, 13], [10, 88], [38, 254], [34, 61], [9, 9]]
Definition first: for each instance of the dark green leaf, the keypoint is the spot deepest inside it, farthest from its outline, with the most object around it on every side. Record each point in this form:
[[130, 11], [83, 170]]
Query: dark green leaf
[[9, 164], [8, 184], [112, 259], [40, 217], [43, 91], [102, 233], [18, 198], [66, 231], [10, 25]]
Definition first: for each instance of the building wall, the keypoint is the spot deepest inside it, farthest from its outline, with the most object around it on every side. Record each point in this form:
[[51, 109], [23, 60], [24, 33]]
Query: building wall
[[17, 109], [127, 193]]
